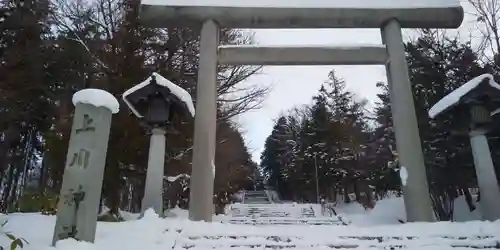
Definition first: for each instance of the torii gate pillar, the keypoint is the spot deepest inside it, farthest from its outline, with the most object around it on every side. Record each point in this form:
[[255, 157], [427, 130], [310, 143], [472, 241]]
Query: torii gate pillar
[[416, 191], [202, 179]]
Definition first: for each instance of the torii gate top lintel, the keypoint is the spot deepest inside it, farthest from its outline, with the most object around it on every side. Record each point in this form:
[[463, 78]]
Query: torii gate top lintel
[[303, 13]]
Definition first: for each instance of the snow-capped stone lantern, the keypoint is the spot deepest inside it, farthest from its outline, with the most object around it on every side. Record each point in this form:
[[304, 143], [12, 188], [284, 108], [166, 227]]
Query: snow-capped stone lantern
[[472, 106], [155, 102]]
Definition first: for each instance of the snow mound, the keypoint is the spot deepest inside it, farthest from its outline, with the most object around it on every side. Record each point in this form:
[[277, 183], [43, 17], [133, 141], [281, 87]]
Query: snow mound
[[454, 97], [98, 98], [390, 211], [153, 233], [3, 220], [150, 214], [386, 212], [461, 211], [177, 212]]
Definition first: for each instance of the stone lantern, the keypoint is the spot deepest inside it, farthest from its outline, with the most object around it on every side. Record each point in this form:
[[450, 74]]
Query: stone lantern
[[155, 102], [472, 106]]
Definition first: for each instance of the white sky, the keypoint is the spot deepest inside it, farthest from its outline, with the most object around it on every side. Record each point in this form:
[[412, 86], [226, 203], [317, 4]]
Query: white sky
[[296, 85]]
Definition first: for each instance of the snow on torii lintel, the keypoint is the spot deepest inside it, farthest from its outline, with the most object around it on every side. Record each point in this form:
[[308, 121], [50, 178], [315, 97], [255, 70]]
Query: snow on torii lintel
[[454, 97], [175, 178], [187, 176], [98, 98], [181, 93], [362, 4]]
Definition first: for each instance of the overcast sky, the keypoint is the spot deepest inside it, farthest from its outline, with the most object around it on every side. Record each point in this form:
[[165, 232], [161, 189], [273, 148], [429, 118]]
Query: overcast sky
[[296, 85]]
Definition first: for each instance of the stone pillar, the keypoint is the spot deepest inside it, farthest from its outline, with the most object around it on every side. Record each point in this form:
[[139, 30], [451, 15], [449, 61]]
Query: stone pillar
[[153, 192], [416, 192], [202, 182], [78, 205], [486, 177]]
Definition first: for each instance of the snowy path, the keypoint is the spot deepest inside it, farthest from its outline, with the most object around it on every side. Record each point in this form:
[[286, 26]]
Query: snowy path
[[152, 233]]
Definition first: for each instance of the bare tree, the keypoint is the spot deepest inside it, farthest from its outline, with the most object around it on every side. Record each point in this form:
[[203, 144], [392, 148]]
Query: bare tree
[[94, 25], [487, 14]]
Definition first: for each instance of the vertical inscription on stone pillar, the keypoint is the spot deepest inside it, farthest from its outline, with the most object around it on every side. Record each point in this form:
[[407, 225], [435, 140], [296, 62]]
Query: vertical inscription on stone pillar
[[87, 124], [82, 180], [80, 159]]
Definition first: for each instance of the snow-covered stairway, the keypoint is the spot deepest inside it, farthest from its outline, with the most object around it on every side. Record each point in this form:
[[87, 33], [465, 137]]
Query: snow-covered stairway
[[341, 242], [277, 214], [209, 236], [256, 197]]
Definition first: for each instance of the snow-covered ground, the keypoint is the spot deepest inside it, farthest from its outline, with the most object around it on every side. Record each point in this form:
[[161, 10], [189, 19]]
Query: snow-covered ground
[[386, 212], [377, 228]]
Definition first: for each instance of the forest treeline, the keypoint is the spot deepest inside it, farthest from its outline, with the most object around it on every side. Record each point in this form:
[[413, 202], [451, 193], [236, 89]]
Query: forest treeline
[[339, 148], [49, 49]]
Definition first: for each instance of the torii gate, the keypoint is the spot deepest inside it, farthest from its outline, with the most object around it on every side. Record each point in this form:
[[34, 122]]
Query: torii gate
[[390, 16]]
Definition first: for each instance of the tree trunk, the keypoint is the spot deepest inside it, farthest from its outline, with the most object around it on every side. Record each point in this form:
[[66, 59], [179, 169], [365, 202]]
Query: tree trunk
[[468, 199], [356, 190], [346, 195], [42, 181]]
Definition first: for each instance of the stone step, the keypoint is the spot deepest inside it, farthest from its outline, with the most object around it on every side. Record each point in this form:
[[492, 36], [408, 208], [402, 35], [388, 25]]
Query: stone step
[[338, 242], [256, 197], [283, 221], [255, 192], [277, 214], [271, 211], [262, 194]]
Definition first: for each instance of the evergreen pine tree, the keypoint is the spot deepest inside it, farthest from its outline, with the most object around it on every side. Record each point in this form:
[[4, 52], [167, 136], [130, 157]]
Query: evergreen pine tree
[[436, 68], [274, 155]]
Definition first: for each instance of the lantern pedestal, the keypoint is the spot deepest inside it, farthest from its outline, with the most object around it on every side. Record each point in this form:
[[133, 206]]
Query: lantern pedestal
[[153, 192], [485, 170]]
